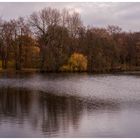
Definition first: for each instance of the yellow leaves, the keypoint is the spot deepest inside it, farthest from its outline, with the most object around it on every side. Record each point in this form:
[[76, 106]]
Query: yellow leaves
[[35, 50], [65, 68], [77, 62]]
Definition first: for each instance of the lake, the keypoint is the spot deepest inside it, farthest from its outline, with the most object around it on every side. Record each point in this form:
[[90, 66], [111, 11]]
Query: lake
[[69, 105]]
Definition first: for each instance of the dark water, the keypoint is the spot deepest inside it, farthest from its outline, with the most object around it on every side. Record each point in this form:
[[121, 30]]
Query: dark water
[[69, 105]]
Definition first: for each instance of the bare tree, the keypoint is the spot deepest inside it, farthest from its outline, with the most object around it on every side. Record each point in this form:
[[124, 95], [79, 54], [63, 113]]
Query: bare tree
[[19, 29], [40, 22], [6, 37]]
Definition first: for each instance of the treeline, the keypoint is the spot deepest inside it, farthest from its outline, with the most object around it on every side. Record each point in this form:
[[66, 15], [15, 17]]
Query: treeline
[[53, 41]]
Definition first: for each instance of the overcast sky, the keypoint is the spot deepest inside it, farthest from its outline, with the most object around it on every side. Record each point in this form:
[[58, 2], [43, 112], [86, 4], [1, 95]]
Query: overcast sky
[[126, 15]]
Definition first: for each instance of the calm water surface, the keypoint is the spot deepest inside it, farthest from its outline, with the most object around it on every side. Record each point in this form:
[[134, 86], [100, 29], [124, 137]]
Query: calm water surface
[[69, 105]]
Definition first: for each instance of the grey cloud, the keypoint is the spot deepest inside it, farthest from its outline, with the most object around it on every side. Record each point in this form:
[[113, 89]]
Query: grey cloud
[[126, 15]]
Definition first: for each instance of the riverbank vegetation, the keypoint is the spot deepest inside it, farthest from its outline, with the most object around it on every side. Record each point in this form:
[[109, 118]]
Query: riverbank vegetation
[[55, 41]]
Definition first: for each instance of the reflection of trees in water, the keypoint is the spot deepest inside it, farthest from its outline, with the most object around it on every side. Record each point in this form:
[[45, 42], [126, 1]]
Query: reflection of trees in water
[[41, 110], [14, 105], [62, 112], [46, 112], [59, 112]]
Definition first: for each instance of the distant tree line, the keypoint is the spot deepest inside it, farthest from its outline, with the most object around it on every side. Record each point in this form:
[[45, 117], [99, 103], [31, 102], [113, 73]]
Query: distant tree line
[[53, 41]]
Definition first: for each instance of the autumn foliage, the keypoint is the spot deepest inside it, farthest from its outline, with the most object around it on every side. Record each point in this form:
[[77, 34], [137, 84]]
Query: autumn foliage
[[52, 41], [77, 63]]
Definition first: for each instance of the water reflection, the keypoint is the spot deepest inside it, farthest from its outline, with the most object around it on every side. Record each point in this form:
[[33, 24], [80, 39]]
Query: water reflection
[[14, 104], [69, 105], [48, 114]]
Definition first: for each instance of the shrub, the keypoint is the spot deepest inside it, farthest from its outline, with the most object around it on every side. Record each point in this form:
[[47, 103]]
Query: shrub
[[77, 62]]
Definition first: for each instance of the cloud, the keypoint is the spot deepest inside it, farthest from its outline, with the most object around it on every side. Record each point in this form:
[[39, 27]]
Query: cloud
[[126, 15]]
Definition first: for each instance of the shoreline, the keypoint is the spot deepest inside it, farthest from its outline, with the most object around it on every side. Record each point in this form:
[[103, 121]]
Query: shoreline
[[70, 72]]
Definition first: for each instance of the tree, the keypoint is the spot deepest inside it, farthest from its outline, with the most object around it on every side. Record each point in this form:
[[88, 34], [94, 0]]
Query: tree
[[20, 39], [54, 40], [6, 40], [76, 63], [57, 51], [40, 22]]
